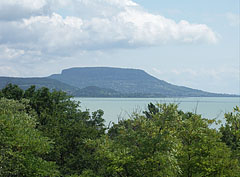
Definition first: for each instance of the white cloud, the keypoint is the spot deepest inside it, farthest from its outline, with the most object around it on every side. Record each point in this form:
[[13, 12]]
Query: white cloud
[[9, 53], [156, 29], [36, 32], [18, 9], [28, 4], [115, 24]]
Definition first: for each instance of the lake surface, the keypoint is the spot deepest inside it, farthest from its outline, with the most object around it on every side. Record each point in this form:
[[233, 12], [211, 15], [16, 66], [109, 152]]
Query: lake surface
[[121, 108]]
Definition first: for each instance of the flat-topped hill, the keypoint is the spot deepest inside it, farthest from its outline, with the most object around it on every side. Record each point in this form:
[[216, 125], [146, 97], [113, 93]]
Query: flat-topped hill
[[108, 82], [125, 81]]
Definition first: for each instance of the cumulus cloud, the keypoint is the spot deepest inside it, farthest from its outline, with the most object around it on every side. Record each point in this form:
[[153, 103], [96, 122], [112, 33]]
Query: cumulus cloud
[[18, 9], [9, 53], [64, 26]]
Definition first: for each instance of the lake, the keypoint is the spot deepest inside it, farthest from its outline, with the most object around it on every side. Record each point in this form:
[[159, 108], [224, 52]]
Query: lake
[[121, 108]]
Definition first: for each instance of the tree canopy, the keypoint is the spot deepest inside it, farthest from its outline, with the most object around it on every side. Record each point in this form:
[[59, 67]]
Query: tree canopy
[[22, 146], [45, 133]]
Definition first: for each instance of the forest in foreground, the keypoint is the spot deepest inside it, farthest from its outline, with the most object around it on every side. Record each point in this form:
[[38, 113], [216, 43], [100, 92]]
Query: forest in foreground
[[45, 133]]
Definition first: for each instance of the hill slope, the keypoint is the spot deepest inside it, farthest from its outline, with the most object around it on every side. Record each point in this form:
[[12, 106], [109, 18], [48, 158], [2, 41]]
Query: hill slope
[[126, 81], [25, 83], [93, 91]]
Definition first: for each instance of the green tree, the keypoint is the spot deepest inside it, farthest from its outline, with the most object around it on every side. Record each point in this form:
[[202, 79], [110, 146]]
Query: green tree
[[61, 120], [139, 146], [12, 92], [1, 94], [29, 93], [203, 153], [22, 146], [231, 132], [165, 142]]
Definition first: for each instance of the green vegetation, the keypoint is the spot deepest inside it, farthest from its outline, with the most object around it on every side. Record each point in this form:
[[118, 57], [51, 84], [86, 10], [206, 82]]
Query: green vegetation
[[22, 146], [44, 133], [25, 83]]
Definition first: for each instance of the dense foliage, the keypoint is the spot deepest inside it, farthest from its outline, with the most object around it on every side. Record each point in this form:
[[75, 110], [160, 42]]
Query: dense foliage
[[22, 146], [44, 133]]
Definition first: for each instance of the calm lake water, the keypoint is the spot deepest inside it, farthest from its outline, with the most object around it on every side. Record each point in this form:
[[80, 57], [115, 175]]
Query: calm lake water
[[121, 108]]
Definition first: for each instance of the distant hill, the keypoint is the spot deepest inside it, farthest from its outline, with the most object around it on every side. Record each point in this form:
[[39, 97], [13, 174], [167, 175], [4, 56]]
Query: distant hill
[[107, 82], [25, 83], [125, 82], [93, 91], [90, 91]]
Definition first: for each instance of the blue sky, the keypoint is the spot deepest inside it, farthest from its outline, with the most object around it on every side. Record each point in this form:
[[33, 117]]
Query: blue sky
[[190, 43]]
